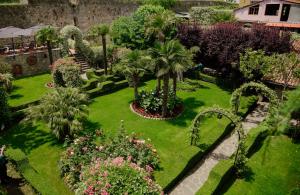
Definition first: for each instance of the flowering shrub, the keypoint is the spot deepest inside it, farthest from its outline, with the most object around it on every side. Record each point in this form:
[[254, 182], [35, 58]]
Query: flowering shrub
[[152, 102], [116, 176], [83, 154], [66, 73]]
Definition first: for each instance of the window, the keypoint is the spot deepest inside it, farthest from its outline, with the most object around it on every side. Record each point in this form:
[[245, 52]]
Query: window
[[254, 10], [272, 9]]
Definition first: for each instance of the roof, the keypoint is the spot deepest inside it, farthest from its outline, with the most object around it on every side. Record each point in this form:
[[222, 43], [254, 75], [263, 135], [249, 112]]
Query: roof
[[12, 32], [258, 2], [283, 24]]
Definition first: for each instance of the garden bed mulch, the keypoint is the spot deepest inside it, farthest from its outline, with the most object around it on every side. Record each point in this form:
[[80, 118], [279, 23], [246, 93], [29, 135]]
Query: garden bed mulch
[[176, 112]]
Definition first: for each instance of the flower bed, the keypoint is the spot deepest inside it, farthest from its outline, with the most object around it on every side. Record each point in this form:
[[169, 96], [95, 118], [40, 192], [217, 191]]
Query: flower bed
[[136, 108]]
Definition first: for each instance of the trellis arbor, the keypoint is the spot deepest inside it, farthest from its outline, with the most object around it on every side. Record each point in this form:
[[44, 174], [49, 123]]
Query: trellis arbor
[[259, 88], [211, 111]]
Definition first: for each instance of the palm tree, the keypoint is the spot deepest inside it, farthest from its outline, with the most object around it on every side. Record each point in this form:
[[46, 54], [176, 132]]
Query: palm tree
[[6, 81], [101, 30], [48, 36], [162, 26], [172, 59], [63, 109], [132, 65]]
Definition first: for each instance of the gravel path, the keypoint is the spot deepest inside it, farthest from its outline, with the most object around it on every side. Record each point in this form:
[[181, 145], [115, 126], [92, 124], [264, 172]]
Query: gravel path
[[197, 177]]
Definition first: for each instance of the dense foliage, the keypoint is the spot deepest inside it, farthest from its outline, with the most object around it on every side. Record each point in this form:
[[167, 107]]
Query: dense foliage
[[66, 73], [84, 155], [130, 31], [5, 67], [152, 101], [6, 81], [254, 64], [209, 15], [63, 110], [221, 45], [164, 3], [4, 111]]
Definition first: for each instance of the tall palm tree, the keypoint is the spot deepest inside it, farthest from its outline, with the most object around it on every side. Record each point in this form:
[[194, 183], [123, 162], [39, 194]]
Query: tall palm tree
[[132, 65], [101, 30], [63, 109], [172, 59], [162, 26], [48, 36]]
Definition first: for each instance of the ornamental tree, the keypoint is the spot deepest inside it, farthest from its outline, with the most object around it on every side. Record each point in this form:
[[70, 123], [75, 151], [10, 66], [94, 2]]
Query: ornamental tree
[[48, 36], [254, 64], [63, 110], [171, 60], [101, 30], [285, 68], [133, 67]]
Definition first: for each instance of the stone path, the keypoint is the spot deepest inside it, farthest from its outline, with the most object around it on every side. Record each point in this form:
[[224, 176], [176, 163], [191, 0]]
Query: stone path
[[197, 177]]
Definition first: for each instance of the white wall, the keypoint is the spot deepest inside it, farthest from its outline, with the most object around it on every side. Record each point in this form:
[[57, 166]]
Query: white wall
[[242, 14]]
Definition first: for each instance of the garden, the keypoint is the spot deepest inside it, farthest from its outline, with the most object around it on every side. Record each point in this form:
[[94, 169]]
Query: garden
[[159, 97]]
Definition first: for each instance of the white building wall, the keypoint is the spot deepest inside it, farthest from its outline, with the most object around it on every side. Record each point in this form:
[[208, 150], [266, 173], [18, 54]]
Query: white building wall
[[243, 14], [294, 16]]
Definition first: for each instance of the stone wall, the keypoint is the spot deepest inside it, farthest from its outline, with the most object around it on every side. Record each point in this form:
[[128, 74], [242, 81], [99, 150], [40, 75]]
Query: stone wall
[[60, 12], [31, 63]]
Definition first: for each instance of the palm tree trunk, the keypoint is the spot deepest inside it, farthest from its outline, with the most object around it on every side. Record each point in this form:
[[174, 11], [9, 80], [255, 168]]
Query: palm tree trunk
[[166, 78], [174, 84], [135, 88], [104, 53], [158, 85], [50, 52]]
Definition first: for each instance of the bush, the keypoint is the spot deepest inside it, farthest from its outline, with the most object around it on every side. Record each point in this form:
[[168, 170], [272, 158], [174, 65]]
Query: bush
[[83, 151], [66, 73], [152, 102], [6, 81], [5, 67], [164, 3], [203, 15], [116, 176], [4, 111]]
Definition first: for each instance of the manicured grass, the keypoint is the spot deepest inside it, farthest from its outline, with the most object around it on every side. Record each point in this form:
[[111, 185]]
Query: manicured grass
[[170, 138], [28, 89], [274, 169]]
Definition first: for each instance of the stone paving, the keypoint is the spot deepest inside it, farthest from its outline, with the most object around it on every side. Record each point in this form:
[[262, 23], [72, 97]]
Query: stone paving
[[197, 177]]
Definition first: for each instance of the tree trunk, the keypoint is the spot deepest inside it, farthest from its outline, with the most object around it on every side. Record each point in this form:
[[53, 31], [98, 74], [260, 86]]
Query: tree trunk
[[174, 84], [158, 85], [50, 52], [135, 87], [166, 78], [104, 53]]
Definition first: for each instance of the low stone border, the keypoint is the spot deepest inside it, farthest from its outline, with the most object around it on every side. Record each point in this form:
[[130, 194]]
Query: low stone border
[[154, 118]]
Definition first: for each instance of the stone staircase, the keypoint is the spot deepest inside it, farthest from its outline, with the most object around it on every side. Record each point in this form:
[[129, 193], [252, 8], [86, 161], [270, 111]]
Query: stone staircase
[[80, 59]]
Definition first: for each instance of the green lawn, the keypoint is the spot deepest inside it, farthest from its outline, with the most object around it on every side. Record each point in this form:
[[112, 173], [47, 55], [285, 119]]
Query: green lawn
[[28, 89], [171, 138], [274, 170]]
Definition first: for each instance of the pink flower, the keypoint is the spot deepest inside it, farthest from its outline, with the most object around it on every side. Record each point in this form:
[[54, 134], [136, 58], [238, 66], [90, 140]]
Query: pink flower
[[107, 185], [149, 169], [118, 161], [105, 174], [129, 158], [103, 192]]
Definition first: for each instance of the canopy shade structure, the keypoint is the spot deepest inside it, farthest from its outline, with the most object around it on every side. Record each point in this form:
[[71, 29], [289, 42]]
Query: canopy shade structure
[[9, 32], [13, 32]]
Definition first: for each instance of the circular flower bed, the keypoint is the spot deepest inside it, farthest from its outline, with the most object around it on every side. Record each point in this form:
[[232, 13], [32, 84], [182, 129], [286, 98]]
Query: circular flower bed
[[136, 108], [50, 85]]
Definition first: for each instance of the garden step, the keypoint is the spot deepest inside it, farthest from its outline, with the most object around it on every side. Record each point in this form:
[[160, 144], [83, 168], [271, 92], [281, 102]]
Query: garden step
[[196, 178]]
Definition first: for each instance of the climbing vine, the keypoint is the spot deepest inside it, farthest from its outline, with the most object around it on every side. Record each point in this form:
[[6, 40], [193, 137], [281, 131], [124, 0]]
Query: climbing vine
[[208, 112], [81, 46], [259, 88]]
